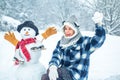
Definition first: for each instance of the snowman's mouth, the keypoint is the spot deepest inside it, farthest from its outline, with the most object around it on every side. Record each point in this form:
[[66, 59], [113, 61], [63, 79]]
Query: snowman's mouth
[[27, 34]]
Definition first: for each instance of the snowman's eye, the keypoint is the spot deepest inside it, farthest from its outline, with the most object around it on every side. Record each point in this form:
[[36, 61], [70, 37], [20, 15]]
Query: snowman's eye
[[24, 29], [28, 29]]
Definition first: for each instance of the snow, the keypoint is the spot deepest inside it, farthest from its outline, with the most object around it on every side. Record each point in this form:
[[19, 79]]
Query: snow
[[104, 62], [9, 21]]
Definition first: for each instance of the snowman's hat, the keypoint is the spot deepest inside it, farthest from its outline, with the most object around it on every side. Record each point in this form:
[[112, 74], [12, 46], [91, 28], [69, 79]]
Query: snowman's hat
[[28, 24]]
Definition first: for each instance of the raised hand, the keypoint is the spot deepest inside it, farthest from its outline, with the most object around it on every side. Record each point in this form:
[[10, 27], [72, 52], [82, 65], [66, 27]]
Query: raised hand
[[98, 17]]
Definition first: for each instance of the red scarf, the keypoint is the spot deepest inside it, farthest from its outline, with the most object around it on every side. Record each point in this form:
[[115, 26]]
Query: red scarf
[[22, 45]]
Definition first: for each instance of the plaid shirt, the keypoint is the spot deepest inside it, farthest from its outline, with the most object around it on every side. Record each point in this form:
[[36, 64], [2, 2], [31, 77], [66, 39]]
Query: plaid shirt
[[76, 57]]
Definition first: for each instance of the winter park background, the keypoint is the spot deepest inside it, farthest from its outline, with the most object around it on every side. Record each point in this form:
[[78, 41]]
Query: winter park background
[[104, 63]]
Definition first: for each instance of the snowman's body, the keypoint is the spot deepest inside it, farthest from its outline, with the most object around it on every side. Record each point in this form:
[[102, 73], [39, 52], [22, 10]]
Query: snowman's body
[[32, 69]]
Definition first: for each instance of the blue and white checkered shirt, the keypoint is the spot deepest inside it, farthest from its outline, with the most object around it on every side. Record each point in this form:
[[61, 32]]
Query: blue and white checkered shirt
[[76, 57]]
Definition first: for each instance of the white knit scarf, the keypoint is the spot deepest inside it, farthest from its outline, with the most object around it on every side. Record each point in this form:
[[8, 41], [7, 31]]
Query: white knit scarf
[[66, 41]]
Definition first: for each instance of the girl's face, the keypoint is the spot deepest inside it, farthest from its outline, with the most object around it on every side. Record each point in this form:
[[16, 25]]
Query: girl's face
[[68, 31]]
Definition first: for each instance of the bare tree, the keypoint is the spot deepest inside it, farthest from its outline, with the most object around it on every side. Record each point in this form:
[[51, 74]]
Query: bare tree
[[46, 12], [112, 16], [56, 11], [111, 11], [59, 10]]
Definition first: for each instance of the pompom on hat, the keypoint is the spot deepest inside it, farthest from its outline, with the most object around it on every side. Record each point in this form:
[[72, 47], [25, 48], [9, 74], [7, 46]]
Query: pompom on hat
[[28, 24]]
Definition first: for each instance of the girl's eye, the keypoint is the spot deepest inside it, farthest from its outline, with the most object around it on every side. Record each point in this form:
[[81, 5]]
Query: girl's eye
[[70, 28]]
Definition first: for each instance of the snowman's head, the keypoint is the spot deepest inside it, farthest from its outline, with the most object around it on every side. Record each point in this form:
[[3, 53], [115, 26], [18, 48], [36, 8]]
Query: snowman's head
[[27, 30]]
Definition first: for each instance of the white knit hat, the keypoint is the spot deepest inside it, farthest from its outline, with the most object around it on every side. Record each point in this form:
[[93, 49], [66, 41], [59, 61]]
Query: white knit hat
[[72, 22], [68, 41]]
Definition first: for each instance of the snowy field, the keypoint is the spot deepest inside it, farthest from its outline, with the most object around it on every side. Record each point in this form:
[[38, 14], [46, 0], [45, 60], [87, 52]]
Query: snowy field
[[104, 62]]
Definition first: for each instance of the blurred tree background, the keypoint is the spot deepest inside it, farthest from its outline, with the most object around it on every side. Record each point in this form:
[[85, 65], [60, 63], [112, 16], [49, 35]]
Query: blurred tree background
[[53, 12]]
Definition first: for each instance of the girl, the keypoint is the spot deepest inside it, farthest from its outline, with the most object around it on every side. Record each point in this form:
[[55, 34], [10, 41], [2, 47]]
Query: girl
[[70, 59]]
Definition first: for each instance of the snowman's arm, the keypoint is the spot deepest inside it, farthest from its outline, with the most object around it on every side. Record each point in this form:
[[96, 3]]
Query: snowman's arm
[[11, 38], [49, 32], [42, 40], [37, 46]]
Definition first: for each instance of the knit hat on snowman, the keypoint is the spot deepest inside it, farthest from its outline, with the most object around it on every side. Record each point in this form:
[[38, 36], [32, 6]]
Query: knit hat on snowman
[[68, 41], [28, 24]]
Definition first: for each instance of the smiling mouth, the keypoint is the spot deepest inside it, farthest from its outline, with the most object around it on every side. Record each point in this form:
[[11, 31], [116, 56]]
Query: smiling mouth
[[27, 34], [68, 34]]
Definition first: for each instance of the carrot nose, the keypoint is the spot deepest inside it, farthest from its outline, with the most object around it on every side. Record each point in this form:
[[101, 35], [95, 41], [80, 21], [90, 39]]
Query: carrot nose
[[27, 33]]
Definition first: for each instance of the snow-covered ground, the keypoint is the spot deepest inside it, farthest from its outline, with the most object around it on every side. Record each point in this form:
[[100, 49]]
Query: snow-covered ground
[[104, 63]]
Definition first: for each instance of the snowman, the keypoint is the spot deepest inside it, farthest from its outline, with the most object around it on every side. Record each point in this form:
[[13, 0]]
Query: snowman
[[28, 52]]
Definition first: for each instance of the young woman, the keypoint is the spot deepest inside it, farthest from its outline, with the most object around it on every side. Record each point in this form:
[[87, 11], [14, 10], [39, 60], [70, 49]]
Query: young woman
[[70, 59]]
